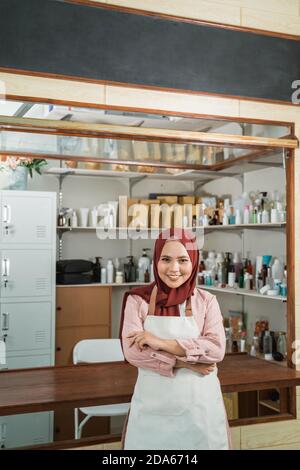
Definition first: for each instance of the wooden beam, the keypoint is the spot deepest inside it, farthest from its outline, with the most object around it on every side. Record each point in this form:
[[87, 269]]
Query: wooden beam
[[128, 132]]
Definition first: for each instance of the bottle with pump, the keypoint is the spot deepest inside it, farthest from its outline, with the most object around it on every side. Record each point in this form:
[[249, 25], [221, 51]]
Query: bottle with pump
[[267, 346], [97, 269], [110, 272], [130, 270], [143, 264]]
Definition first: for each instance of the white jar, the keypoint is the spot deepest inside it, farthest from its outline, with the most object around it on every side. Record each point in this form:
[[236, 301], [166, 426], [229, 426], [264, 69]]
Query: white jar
[[119, 277]]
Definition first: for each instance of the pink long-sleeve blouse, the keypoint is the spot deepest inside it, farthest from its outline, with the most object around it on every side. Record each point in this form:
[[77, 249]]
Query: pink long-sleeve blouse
[[209, 347]]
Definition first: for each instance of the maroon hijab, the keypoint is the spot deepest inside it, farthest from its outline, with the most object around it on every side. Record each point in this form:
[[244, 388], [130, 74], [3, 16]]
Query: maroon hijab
[[168, 299]]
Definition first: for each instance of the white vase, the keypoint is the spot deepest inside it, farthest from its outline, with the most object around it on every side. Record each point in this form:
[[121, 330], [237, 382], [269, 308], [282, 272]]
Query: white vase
[[14, 179]]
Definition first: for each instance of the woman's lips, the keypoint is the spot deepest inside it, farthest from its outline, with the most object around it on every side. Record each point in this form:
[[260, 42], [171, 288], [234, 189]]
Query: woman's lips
[[173, 278]]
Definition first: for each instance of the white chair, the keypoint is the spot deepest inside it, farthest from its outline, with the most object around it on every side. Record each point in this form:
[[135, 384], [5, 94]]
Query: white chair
[[98, 350]]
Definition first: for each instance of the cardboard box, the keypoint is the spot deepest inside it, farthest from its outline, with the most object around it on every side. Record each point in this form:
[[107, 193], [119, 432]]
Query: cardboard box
[[168, 199], [186, 199]]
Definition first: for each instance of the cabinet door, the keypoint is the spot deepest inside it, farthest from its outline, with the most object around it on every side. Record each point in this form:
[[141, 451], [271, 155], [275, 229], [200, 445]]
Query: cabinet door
[[27, 217], [27, 326], [66, 338], [25, 430], [27, 272], [84, 305]]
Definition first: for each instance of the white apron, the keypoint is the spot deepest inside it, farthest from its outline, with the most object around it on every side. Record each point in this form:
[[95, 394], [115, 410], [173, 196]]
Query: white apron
[[181, 412]]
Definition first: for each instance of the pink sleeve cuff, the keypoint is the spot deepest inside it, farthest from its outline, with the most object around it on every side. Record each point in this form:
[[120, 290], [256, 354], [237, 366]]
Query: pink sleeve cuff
[[165, 364], [192, 355]]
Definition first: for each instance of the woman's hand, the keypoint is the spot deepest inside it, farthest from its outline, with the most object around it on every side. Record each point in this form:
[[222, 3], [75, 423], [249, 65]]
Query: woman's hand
[[143, 339], [201, 368]]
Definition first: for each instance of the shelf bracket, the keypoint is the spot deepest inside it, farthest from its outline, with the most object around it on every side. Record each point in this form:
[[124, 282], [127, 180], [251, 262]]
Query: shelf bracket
[[135, 180]]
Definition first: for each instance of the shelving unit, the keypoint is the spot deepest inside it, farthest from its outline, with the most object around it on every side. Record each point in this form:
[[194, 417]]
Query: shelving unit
[[207, 229]]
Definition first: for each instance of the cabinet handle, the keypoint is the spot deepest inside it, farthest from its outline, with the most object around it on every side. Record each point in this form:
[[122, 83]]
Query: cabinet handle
[[6, 214], [58, 308], [58, 348], [5, 323], [5, 267]]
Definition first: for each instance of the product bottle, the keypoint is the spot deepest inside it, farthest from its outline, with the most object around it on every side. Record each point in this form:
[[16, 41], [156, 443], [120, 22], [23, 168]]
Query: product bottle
[[94, 217], [110, 272], [231, 218], [238, 219], [277, 269], [147, 276], [143, 264], [254, 351], [281, 343], [97, 270], [267, 346], [130, 270], [225, 219], [103, 276], [61, 221], [246, 215], [119, 277], [264, 273], [74, 219]]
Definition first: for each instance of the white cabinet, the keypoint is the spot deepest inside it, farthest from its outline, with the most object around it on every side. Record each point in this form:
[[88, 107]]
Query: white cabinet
[[26, 273], [27, 328], [25, 430], [27, 268], [27, 299], [25, 217]]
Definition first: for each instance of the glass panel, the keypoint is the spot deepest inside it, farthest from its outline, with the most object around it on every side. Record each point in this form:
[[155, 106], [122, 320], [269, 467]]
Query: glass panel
[[133, 152], [139, 119]]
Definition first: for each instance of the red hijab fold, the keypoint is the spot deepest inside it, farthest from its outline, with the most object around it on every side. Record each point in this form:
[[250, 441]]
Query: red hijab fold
[[168, 299]]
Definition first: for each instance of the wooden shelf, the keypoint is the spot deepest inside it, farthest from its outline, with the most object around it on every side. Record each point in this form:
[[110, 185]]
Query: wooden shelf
[[243, 292], [272, 405]]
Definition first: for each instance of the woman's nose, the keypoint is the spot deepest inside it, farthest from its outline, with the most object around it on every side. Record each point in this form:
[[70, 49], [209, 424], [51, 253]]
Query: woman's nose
[[174, 266]]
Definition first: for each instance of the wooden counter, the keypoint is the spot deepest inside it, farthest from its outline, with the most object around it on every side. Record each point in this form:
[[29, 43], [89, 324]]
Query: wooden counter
[[51, 388]]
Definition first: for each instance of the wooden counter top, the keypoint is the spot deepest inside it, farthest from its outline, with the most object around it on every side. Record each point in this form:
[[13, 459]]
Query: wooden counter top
[[51, 388]]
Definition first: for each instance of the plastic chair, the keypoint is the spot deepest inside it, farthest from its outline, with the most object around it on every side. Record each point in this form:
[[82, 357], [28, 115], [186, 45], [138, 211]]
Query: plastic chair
[[98, 350]]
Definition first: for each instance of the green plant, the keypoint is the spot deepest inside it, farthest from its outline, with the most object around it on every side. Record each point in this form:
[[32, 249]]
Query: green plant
[[33, 164]]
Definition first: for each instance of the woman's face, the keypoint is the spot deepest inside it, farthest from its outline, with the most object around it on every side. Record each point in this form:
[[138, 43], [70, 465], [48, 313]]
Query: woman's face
[[174, 266]]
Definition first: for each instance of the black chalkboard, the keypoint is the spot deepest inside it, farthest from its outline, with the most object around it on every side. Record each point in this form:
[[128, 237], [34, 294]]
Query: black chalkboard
[[51, 36]]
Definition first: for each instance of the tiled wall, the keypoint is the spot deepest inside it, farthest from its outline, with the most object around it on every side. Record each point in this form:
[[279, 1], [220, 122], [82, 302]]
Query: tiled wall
[[273, 15]]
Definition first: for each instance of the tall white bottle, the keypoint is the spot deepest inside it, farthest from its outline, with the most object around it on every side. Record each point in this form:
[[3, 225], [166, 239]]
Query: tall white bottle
[[110, 272]]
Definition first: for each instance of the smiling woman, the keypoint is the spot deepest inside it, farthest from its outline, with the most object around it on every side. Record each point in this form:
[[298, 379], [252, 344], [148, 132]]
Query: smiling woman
[[174, 266], [174, 334]]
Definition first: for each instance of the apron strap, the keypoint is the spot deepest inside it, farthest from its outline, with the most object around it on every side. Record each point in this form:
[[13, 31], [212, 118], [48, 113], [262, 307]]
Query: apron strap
[[188, 308], [152, 304]]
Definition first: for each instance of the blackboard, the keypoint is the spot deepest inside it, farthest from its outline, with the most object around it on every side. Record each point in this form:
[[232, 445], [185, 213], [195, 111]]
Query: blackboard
[[55, 37]]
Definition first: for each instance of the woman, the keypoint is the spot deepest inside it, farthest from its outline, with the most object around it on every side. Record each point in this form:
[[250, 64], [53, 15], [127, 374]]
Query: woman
[[173, 332]]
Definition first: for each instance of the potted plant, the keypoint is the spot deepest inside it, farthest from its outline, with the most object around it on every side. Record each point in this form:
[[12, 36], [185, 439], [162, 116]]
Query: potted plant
[[14, 171]]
